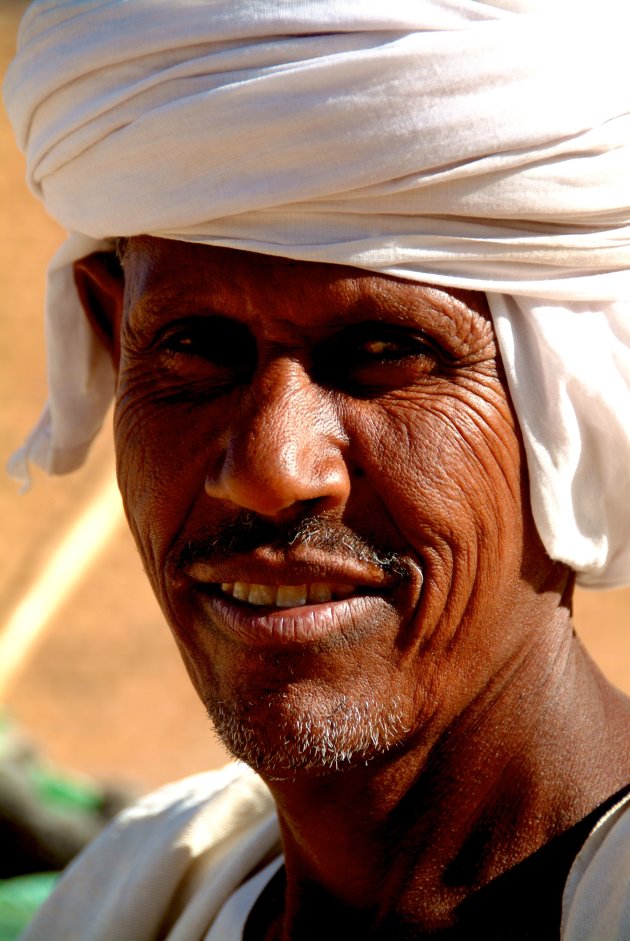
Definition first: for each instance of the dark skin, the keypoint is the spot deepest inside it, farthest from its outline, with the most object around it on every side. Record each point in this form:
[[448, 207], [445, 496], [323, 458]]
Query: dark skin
[[254, 393]]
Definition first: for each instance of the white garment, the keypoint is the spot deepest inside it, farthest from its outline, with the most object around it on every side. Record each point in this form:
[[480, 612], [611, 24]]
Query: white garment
[[179, 866], [168, 865], [596, 902], [464, 143]]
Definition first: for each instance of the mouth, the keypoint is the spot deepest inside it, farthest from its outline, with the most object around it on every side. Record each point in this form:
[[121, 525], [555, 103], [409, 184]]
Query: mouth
[[298, 596], [274, 611]]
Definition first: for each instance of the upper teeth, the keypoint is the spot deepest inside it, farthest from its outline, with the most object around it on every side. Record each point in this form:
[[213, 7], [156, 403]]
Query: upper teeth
[[286, 596]]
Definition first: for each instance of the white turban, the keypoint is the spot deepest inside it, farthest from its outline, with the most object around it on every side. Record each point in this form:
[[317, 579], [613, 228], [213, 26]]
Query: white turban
[[483, 145]]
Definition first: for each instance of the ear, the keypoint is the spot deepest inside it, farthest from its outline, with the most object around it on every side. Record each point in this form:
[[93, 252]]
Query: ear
[[100, 284]]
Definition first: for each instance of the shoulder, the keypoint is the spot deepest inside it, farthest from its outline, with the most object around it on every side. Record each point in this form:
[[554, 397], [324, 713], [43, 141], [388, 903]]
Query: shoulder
[[221, 801], [596, 901], [128, 881]]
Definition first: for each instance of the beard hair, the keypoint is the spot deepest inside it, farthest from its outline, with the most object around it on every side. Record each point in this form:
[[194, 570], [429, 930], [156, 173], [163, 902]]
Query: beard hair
[[316, 739]]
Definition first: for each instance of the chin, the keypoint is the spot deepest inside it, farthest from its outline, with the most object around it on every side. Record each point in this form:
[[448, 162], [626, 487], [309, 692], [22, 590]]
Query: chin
[[282, 736]]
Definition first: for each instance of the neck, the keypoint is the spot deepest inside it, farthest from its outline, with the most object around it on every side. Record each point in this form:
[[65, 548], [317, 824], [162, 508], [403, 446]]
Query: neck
[[414, 839]]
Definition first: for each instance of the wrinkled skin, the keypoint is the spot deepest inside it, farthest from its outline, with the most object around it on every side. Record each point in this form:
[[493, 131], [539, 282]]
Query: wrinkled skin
[[256, 393]]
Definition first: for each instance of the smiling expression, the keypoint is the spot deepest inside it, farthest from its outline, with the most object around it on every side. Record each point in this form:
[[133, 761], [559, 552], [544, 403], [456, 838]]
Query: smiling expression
[[323, 475]]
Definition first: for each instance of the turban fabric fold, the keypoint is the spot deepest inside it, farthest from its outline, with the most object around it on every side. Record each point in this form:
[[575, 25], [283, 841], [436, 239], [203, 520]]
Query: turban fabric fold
[[483, 145]]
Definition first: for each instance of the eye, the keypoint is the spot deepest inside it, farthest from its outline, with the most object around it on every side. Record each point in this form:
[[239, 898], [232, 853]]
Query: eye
[[214, 338], [388, 349], [373, 357], [212, 348]]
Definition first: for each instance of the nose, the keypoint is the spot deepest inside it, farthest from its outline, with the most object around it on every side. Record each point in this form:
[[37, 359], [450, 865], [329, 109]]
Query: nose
[[283, 449]]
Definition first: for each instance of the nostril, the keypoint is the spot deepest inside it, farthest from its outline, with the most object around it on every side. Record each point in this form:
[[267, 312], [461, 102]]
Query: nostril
[[298, 510]]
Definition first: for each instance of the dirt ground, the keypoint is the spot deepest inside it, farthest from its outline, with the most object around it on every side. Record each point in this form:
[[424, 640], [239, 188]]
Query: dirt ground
[[103, 690]]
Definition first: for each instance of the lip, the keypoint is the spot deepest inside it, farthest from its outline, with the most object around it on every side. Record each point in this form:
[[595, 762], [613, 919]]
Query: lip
[[297, 570], [286, 627]]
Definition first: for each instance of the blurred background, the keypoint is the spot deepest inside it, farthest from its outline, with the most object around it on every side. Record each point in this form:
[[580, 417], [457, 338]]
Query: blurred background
[[87, 668]]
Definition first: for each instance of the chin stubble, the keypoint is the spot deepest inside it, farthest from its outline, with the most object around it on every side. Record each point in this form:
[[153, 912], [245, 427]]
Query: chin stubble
[[314, 738]]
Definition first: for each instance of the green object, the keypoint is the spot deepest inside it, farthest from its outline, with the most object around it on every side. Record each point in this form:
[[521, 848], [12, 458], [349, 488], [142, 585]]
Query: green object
[[19, 900], [72, 793], [51, 787]]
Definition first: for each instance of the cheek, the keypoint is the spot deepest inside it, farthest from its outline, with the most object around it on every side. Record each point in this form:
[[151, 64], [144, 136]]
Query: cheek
[[449, 477], [160, 473], [448, 471]]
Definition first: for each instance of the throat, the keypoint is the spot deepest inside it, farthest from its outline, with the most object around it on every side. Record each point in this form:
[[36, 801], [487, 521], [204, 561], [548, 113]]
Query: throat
[[501, 908]]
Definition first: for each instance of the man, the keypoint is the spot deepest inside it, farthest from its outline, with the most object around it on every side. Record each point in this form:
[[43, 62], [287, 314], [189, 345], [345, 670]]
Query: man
[[362, 520]]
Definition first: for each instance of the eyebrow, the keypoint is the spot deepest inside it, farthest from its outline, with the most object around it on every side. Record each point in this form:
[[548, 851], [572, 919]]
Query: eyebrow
[[162, 302]]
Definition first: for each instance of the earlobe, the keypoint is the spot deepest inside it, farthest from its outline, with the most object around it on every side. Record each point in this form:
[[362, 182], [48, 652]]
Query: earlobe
[[100, 284]]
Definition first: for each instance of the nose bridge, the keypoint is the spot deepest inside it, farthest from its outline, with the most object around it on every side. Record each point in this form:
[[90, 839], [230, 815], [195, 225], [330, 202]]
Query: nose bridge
[[285, 412], [285, 446]]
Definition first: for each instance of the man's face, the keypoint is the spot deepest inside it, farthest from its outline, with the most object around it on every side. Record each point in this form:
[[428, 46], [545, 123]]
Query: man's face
[[321, 470]]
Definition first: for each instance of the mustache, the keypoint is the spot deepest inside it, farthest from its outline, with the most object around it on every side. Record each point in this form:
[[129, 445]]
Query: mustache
[[248, 532]]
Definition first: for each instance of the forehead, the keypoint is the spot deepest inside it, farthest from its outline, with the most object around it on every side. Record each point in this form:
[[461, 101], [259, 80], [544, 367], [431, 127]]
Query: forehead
[[166, 279]]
